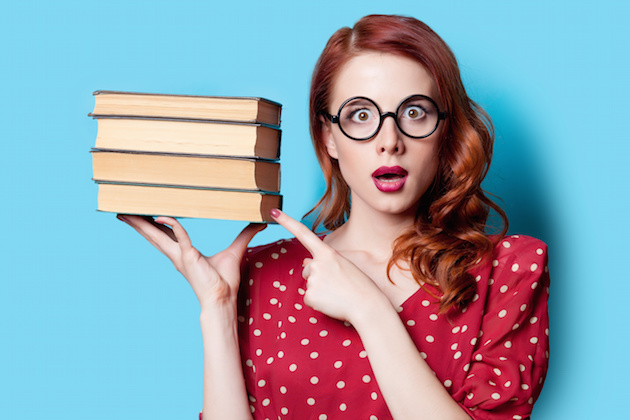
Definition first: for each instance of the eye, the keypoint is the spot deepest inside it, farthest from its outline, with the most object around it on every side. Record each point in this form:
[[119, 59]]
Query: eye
[[414, 112], [361, 115]]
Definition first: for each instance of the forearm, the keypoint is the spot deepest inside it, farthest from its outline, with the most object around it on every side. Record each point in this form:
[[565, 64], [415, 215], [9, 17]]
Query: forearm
[[409, 386], [224, 392]]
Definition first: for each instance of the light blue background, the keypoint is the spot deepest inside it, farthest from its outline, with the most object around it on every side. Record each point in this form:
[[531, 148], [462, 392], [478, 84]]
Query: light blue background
[[94, 323]]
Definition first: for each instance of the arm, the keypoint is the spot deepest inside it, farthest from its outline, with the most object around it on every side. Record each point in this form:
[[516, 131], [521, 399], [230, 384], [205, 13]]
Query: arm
[[215, 281], [339, 289]]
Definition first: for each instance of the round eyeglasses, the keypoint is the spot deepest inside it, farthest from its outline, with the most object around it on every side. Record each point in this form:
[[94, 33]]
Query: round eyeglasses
[[360, 119]]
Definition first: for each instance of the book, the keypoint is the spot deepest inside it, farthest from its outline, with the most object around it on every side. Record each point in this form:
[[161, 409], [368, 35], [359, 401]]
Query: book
[[152, 200], [186, 170], [188, 137], [220, 108]]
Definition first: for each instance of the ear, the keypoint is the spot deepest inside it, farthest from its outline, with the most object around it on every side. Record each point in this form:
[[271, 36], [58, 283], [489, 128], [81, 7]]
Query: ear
[[327, 138]]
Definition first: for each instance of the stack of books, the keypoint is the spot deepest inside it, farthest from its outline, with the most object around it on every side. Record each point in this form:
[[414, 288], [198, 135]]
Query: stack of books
[[187, 156]]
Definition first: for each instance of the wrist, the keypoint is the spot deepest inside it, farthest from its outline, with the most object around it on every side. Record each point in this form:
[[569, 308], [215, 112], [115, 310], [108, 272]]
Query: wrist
[[371, 311]]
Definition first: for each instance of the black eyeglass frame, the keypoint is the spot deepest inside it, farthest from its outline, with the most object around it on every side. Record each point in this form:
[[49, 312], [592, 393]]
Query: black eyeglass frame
[[335, 118]]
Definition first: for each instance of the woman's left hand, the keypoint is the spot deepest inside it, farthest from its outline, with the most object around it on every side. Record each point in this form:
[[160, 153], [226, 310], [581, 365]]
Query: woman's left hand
[[335, 286]]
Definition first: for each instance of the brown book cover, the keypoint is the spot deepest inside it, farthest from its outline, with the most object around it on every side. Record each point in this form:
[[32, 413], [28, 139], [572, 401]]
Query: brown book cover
[[185, 170], [220, 108]]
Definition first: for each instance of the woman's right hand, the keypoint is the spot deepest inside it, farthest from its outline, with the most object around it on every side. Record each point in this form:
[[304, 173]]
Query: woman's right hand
[[215, 280]]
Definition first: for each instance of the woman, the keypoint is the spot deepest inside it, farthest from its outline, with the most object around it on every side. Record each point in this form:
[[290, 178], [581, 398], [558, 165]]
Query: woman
[[406, 308]]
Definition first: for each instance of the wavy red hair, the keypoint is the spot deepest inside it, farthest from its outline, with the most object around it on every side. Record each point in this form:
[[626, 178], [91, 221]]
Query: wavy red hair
[[449, 234]]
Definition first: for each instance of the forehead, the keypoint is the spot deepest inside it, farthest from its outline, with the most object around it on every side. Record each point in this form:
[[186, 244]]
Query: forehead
[[385, 78]]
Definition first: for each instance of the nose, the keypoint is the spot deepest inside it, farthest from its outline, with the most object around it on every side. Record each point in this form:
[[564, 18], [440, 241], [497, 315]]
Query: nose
[[389, 138]]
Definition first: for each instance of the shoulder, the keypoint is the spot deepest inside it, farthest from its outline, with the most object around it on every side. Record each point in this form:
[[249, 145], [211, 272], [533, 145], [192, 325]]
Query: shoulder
[[519, 258], [278, 251]]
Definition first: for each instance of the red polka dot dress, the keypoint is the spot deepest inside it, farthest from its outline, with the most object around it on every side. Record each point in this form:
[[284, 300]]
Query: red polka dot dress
[[491, 357]]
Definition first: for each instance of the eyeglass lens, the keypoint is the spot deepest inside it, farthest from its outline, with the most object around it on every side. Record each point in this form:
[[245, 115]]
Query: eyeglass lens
[[360, 118]]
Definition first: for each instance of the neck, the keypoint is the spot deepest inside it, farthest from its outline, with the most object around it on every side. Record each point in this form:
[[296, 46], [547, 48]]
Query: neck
[[370, 231]]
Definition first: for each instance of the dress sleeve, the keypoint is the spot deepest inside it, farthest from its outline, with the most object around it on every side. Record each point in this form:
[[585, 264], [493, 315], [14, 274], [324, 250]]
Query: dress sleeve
[[512, 351]]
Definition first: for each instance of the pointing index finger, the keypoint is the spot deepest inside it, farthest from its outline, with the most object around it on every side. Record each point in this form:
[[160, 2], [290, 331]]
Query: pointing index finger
[[303, 234]]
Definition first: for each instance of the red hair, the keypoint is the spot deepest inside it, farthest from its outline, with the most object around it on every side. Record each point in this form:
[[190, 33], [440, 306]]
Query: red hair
[[449, 234]]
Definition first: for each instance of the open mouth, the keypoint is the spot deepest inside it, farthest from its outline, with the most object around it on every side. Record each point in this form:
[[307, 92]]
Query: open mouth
[[389, 178]]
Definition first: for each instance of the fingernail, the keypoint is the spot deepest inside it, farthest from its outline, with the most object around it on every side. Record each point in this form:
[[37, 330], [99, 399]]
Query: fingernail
[[275, 213]]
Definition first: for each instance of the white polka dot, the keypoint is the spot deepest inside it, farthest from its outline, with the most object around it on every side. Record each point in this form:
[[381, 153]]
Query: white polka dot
[[292, 319], [466, 367], [533, 340], [507, 384], [267, 316], [503, 359], [455, 330], [266, 402], [249, 363], [533, 267], [363, 354], [430, 339], [411, 323], [454, 346], [470, 396], [523, 307], [533, 320], [496, 396], [280, 354], [343, 407], [270, 360], [473, 341], [516, 417], [521, 367], [465, 328], [258, 264], [262, 383], [276, 284], [314, 355], [508, 344], [539, 251], [283, 389], [478, 278], [515, 326], [337, 364], [259, 352], [524, 387], [366, 379], [448, 383], [323, 417], [283, 335], [301, 291], [310, 401], [341, 384], [251, 282], [515, 267], [284, 410], [346, 343], [292, 367], [478, 357], [304, 342], [491, 282], [534, 285], [291, 273], [374, 396], [506, 244], [503, 289], [399, 309], [530, 400], [433, 317], [323, 333], [283, 251], [497, 371], [283, 288], [347, 324], [457, 355], [474, 299], [273, 301], [502, 313], [312, 320], [423, 355], [425, 303], [373, 417], [314, 380], [298, 306], [241, 318], [275, 256], [495, 263]]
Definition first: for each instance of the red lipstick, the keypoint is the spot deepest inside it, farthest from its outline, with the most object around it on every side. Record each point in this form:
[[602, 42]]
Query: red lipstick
[[389, 178]]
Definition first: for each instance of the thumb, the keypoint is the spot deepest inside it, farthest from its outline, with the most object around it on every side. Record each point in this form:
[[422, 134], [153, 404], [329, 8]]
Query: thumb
[[238, 247]]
